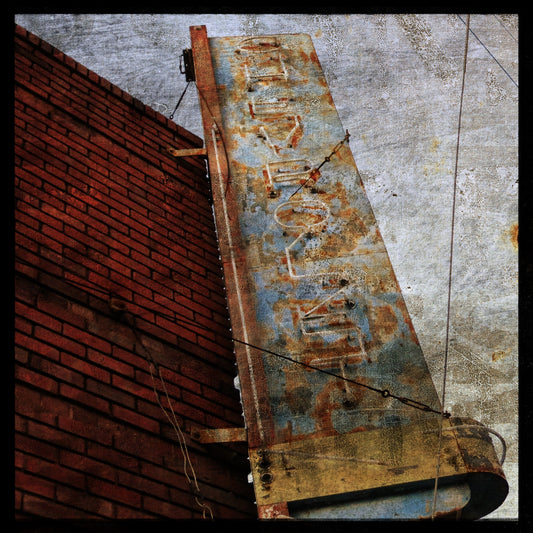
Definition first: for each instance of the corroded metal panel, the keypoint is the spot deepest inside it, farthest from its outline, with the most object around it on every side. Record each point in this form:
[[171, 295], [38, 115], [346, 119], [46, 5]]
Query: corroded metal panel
[[316, 268], [336, 393]]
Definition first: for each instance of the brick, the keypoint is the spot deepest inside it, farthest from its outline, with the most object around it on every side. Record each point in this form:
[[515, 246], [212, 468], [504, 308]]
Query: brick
[[86, 338], [34, 404], [67, 358], [127, 513], [36, 379], [113, 457], [28, 444], [34, 315], [41, 507], [21, 355], [60, 308], [152, 410], [87, 465], [85, 502], [109, 332], [54, 472], [128, 356], [138, 443], [114, 491], [135, 388], [110, 363], [56, 371], [80, 396], [85, 430], [136, 419], [102, 207], [34, 484], [54, 436], [166, 509], [165, 476], [109, 392], [143, 485]]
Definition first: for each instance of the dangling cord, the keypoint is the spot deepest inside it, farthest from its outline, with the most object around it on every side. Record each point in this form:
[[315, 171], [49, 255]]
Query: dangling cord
[[179, 101], [450, 272]]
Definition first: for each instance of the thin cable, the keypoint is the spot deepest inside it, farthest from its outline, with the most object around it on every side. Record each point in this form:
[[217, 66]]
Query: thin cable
[[501, 460], [187, 463], [179, 101], [488, 51], [505, 28], [448, 308], [315, 173], [384, 392]]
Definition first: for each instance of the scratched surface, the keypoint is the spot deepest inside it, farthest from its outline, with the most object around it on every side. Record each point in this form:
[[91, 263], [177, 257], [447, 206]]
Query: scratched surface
[[324, 290]]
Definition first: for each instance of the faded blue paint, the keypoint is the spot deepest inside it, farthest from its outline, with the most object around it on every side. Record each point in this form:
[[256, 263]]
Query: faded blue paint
[[339, 215], [394, 507], [323, 289]]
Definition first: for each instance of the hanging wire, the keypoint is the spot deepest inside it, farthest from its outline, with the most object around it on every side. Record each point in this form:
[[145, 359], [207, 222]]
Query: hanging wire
[[446, 343], [187, 463], [488, 51], [179, 101], [120, 310], [199, 329], [188, 467], [384, 392], [501, 460], [505, 28], [314, 174]]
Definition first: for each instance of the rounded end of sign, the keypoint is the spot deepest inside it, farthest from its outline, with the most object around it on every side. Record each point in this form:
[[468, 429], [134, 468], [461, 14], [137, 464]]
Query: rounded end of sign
[[488, 491], [485, 477]]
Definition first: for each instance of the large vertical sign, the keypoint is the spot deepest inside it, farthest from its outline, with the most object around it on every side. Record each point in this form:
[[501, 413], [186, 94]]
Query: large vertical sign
[[338, 400]]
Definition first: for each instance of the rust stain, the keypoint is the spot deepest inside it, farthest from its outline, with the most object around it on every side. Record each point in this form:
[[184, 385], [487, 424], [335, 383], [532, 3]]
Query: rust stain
[[513, 233], [435, 142], [510, 236], [500, 354], [386, 320]]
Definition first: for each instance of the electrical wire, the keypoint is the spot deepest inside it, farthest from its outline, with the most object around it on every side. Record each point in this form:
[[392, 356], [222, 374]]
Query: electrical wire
[[450, 271], [314, 174], [192, 479], [171, 416], [384, 392], [218, 129], [187, 463], [488, 51]]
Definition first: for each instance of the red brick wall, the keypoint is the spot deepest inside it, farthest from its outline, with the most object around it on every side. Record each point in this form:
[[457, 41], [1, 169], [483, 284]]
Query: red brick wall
[[105, 215]]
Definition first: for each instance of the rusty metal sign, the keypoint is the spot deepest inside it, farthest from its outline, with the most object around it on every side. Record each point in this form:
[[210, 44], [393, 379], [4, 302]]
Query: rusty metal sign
[[338, 401]]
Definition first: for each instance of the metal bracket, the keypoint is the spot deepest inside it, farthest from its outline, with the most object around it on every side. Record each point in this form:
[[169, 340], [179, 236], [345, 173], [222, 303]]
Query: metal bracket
[[186, 152], [187, 66], [214, 436]]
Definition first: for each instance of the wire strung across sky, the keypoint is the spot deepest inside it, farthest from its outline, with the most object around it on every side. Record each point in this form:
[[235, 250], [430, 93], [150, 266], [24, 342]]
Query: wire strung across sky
[[191, 324]]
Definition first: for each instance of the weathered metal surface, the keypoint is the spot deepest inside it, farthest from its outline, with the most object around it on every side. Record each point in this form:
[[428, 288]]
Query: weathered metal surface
[[308, 277], [313, 474], [186, 152], [211, 435]]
